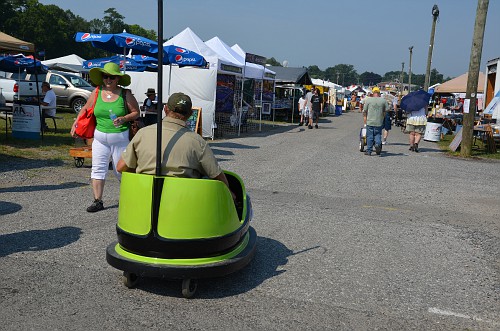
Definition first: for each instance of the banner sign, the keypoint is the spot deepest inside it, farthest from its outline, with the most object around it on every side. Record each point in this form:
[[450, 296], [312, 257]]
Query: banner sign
[[230, 68], [253, 58]]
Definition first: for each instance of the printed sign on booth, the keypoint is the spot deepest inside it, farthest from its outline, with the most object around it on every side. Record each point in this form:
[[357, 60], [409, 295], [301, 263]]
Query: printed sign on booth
[[26, 121]]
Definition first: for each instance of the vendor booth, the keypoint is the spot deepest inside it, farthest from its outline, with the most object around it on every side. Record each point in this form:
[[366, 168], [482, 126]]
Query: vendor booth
[[255, 90], [25, 116], [216, 90], [289, 85]]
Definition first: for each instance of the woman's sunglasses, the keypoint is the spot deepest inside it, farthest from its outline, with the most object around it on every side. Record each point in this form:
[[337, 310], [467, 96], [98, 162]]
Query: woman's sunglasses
[[108, 77]]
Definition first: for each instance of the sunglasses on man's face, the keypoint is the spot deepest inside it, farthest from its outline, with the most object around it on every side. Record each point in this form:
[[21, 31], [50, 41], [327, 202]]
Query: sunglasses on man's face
[[109, 77]]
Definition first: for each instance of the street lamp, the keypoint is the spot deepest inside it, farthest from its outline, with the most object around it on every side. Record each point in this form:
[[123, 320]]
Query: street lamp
[[409, 69], [435, 15]]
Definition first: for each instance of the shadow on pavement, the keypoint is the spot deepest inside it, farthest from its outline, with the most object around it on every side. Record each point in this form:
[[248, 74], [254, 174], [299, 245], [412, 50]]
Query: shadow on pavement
[[269, 256], [42, 187], [9, 208], [22, 163], [225, 144], [38, 240]]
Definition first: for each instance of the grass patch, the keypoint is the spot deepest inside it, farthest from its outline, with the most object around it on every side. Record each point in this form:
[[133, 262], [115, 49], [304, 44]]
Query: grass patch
[[53, 146], [478, 150]]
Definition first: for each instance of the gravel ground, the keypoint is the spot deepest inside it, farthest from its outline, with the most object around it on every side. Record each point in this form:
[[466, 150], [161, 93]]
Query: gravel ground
[[403, 241]]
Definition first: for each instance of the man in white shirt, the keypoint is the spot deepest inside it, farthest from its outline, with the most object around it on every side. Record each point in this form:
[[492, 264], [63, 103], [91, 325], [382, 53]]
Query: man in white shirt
[[48, 103]]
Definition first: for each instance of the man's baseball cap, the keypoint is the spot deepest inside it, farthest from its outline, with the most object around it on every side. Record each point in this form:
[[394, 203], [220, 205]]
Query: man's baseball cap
[[179, 103], [375, 90]]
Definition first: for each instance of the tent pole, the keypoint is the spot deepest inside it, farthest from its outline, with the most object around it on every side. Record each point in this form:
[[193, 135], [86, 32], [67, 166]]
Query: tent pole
[[241, 98], [38, 91], [159, 108], [169, 77], [262, 97]]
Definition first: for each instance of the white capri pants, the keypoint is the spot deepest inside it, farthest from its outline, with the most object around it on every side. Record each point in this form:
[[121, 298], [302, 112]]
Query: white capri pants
[[104, 146]]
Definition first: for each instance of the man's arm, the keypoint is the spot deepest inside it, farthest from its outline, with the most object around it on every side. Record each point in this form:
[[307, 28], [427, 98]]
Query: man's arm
[[121, 166], [222, 177]]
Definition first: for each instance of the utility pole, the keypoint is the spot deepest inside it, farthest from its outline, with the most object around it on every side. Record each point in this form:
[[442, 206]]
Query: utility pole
[[409, 69], [473, 77], [435, 15], [402, 77]]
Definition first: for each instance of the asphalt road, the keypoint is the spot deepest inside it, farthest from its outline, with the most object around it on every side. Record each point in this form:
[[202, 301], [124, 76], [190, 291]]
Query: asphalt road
[[403, 241]]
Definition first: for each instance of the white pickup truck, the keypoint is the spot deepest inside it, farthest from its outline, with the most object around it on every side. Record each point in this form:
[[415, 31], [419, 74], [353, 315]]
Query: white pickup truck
[[18, 89], [71, 90]]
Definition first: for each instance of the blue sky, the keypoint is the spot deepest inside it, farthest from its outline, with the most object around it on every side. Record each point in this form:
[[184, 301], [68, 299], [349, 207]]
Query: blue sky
[[370, 35]]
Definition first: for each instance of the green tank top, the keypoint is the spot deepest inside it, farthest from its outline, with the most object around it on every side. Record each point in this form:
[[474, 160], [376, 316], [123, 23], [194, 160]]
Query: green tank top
[[102, 111]]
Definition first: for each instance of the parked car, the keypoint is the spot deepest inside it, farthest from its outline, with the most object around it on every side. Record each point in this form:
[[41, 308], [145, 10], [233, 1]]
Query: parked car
[[71, 90]]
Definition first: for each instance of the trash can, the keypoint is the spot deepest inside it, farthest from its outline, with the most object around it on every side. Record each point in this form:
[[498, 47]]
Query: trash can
[[433, 131], [26, 122], [338, 110]]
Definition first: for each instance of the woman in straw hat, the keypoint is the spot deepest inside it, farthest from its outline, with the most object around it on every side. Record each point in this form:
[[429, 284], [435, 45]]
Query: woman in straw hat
[[114, 110]]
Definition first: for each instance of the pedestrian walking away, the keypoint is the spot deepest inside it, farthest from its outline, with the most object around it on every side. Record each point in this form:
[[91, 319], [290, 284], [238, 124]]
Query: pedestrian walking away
[[388, 119], [374, 109], [415, 126]]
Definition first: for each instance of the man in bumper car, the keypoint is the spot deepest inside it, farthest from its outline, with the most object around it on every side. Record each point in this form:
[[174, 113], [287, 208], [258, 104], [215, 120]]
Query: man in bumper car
[[184, 153]]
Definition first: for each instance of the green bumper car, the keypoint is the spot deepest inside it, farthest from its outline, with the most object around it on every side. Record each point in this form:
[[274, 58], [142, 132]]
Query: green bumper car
[[181, 228]]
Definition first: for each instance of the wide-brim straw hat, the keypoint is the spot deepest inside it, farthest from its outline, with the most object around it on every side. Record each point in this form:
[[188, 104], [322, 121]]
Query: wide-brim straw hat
[[111, 69]]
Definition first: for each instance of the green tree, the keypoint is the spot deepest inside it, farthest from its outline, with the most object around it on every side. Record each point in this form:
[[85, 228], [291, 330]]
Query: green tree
[[113, 21], [8, 12], [97, 26], [315, 72], [343, 74], [436, 77], [140, 31], [369, 78], [391, 76], [273, 62]]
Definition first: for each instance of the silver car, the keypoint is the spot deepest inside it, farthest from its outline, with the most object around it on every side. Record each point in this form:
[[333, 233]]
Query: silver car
[[71, 90]]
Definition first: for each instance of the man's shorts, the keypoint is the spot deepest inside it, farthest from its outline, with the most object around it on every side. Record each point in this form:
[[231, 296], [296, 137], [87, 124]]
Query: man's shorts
[[387, 122], [415, 128], [315, 114], [306, 112]]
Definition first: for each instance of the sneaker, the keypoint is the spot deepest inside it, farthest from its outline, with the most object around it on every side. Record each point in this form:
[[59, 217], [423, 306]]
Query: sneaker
[[316, 126], [310, 127], [411, 148], [368, 153], [415, 148], [95, 206], [384, 142], [300, 124], [378, 149]]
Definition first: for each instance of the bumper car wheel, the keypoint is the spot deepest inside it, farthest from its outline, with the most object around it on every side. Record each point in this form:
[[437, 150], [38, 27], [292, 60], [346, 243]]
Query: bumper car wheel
[[130, 279], [189, 287]]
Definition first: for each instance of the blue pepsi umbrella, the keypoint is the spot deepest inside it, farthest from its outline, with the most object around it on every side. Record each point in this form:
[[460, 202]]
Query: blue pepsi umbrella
[[121, 42], [414, 101], [123, 62], [16, 63]]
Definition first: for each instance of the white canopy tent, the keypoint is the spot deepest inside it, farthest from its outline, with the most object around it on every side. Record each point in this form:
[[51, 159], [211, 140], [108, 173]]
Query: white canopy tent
[[68, 59], [199, 84], [252, 70], [72, 63]]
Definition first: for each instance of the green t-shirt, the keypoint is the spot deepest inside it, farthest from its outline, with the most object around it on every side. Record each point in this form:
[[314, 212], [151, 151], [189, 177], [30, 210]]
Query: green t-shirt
[[375, 108], [102, 112]]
